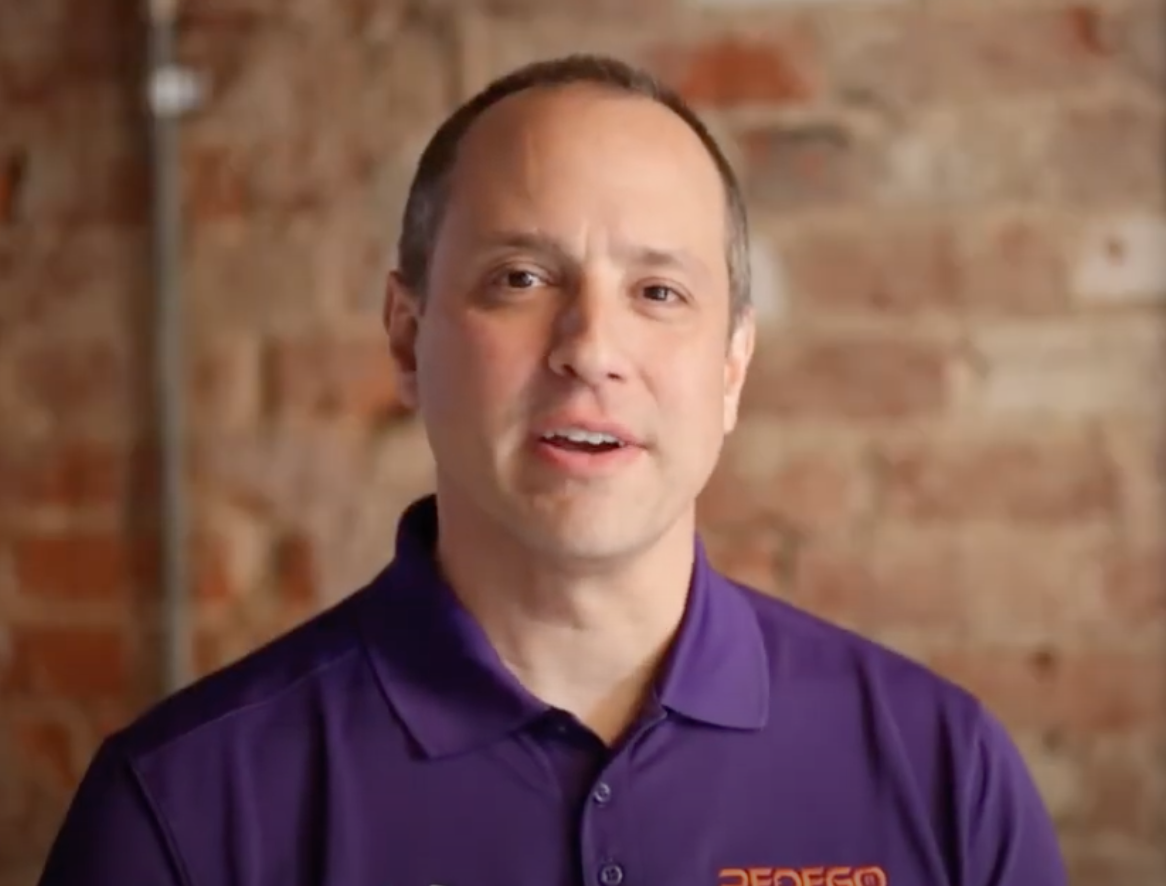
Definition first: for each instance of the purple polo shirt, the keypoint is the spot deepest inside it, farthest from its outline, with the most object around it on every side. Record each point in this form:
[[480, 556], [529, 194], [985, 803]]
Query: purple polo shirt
[[383, 744]]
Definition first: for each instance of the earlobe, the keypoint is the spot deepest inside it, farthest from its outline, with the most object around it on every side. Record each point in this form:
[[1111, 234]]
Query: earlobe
[[400, 318]]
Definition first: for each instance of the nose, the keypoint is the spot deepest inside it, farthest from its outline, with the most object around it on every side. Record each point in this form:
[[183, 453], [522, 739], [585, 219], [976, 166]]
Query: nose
[[588, 337]]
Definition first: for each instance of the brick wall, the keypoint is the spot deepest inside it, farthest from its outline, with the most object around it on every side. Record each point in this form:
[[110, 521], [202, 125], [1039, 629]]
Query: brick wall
[[952, 439]]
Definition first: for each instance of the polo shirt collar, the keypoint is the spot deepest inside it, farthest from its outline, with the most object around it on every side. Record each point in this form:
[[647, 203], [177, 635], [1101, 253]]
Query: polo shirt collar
[[454, 694], [436, 666], [718, 670]]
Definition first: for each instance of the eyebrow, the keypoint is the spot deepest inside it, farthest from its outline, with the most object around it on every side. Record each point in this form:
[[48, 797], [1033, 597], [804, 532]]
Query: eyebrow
[[650, 256]]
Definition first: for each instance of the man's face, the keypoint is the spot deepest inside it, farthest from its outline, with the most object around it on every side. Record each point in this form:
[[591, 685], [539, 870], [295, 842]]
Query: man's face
[[573, 363]]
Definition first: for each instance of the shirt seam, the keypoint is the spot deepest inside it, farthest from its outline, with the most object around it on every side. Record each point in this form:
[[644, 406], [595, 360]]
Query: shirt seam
[[169, 840], [249, 706], [973, 786]]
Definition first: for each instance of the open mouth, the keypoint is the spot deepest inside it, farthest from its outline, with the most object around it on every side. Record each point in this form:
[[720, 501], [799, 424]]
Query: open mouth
[[583, 441]]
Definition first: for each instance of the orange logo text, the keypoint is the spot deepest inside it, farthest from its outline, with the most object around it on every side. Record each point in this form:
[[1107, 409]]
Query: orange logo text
[[820, 876]]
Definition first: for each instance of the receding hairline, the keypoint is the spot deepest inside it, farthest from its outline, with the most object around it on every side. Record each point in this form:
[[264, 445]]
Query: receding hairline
[[511, 103], [549, 91]]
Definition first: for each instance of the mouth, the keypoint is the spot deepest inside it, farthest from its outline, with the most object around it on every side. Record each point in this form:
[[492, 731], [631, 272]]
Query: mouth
[[583, 441]]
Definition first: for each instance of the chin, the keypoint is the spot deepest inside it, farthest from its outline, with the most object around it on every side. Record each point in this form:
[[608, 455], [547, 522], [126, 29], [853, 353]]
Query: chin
[[582, 546], [579, 529]]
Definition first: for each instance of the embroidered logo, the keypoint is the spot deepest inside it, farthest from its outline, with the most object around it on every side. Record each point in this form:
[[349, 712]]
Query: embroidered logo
[[816, 876]]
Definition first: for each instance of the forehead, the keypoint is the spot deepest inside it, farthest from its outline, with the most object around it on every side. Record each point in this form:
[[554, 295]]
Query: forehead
[[579, 160]]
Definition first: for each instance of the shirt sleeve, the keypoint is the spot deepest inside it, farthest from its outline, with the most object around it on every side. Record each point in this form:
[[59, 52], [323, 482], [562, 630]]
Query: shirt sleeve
[[1010, 837], [111, 833]]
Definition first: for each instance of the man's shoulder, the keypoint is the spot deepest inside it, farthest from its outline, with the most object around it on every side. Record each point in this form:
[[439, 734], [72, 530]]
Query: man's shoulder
[[802, 646], [859, 703], [276, 672]]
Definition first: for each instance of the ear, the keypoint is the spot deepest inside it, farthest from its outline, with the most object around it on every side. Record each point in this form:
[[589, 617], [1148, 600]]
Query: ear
[[737, 360], [401, 317]]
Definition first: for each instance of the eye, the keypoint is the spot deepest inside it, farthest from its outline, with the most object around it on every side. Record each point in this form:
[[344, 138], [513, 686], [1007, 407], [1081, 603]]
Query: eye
[[658, 292], [517, 278]]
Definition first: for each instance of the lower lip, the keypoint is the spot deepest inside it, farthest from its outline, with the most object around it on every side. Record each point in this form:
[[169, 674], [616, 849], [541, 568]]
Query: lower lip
[[576, 461]]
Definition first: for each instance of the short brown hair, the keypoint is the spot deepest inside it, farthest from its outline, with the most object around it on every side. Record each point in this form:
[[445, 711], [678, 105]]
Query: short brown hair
[[429, 191]]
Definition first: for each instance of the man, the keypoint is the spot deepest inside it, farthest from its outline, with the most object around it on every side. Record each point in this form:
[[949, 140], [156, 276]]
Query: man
[[549, 684]]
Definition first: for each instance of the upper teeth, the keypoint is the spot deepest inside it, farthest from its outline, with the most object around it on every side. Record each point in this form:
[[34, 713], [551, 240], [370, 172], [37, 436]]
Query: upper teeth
[[576, 435]]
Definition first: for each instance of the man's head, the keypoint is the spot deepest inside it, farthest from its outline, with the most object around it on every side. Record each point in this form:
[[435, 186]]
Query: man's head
[[573, 261]]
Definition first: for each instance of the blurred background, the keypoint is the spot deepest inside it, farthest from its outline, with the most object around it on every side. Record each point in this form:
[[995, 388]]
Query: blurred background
[[952, 438]]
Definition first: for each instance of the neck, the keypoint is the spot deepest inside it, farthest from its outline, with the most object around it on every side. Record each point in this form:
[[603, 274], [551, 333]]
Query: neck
[[584, 637]]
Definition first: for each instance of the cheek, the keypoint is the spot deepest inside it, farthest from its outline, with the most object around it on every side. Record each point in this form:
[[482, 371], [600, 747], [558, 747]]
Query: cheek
[[694, 391], [471, 368]]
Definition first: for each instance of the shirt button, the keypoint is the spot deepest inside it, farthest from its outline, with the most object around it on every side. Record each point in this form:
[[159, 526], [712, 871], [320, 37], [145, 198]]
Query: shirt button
[[611, 875], [602, 793]]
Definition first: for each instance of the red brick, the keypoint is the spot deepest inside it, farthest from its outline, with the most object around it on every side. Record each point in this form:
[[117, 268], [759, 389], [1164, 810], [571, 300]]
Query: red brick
[[1139, 453], [1121, 788], [816, 491], [206, 655], [75, 473], [1025, 586], [968, 155], [848, 377], [1034, 477], [102, 718], [226, 386], [49, 744], [1108, 154], [299, 172], [873, 54], [331, 376], [75, 383], [13, 168], [216, 184], [271, 475], [799, 166], [880, 266], [803, 491], [1013, 264], [62, 281], [887, 265], [82, 566], [496, 44], [30, 815], [91, 167], [1136, 586], [999, 584], [1101, 859], [974, 53], [212, 579], [727, 70], [1140, 42], [1090, 366], [289, 164], [57, 45], [1076, 691], [233, 16], [67, 662], [233, 269], [226, 16], [871, 592], [755, 556], [731, 499], [622, 9], [296, 571], [1088, 29]]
